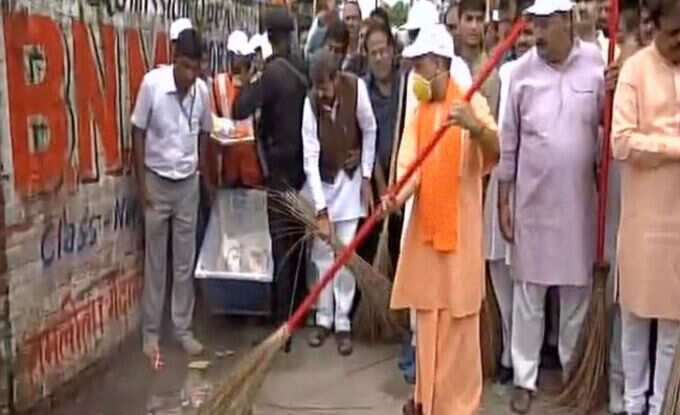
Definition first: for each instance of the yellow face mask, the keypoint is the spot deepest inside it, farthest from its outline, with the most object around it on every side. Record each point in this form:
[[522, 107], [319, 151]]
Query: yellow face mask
[[422, 87]]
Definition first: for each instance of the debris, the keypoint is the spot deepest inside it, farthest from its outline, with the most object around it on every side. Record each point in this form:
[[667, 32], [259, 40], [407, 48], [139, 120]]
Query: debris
[[226, 353], [200, 364]]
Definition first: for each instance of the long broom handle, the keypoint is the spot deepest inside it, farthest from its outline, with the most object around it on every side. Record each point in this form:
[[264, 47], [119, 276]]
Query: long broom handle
[[295, 321], [608, 107]]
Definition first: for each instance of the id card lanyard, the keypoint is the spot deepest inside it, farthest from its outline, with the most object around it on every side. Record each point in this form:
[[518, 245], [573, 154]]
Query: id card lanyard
[[190, 114]]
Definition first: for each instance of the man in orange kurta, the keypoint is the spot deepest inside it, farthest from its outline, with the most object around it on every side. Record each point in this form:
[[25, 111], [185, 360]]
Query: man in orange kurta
[[441, 270], [646, 141]]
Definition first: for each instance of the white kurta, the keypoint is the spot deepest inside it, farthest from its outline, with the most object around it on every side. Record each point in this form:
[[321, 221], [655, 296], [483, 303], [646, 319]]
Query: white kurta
[[343, 197]]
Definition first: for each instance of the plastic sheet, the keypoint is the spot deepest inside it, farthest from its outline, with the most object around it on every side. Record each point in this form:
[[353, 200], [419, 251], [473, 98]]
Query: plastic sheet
[[237, 243]]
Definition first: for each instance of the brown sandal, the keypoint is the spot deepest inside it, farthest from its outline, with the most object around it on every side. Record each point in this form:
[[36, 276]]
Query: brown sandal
[[317, 337], [344, 339], [410, 408]]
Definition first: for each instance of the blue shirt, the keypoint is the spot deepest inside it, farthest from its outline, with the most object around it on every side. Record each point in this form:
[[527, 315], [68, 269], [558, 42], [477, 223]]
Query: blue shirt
[[385, 111]]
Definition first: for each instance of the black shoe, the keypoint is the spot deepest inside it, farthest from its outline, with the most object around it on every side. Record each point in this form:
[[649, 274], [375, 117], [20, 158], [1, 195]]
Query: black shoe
[[505, 375]]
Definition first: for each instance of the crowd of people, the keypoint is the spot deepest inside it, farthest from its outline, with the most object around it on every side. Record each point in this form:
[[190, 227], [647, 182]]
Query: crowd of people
[[509, 193]]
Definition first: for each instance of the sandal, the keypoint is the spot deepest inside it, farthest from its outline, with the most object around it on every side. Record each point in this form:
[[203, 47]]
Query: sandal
[[344, 339], [317, 337]]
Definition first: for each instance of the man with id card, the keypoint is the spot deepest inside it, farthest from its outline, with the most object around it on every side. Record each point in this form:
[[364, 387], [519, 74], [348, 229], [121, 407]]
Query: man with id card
[[172, 116]]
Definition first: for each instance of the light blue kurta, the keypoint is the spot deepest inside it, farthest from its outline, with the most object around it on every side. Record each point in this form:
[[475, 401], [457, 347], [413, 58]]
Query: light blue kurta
[[554, 114]]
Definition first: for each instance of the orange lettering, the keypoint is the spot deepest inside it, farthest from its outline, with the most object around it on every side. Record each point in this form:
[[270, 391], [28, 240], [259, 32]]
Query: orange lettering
[[136, 65], [96, 97], [35, 76], [162, 48]]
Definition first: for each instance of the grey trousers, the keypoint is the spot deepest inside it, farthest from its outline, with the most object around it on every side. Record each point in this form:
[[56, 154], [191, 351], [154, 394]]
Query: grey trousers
[[172, 203], [528, 321]]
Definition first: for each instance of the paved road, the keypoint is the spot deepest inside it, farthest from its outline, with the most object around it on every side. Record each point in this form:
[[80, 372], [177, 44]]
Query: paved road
[[304, 382]]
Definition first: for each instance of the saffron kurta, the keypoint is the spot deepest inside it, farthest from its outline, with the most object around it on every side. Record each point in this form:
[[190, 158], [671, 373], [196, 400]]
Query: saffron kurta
[[446, 288], [549, 140], [646, 138]]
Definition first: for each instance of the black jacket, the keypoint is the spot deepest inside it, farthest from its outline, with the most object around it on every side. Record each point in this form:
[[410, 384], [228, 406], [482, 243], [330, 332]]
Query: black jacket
[[279, 93]]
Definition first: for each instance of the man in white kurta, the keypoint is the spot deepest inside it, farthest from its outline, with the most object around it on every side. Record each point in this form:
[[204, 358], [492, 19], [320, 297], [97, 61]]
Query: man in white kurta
[[549, 141], [340, 191]]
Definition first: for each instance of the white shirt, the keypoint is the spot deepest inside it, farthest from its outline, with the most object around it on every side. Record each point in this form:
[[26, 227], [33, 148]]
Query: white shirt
[[172, 129], [603, 43], [343, 197]]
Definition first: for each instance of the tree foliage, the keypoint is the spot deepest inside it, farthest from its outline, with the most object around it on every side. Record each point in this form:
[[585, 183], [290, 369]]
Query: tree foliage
[[398, 13]]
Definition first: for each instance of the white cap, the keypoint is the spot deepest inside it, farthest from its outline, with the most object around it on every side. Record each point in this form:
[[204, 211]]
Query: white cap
[[433, 39], [238, 43], [421, 14], [261, 40], [548, 7], [178, 26], [267, 49]]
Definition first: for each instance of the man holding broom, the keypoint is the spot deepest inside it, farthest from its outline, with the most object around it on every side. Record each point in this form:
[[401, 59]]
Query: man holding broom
[[549, 145], [444, 235], [646, 141], [338, 139]]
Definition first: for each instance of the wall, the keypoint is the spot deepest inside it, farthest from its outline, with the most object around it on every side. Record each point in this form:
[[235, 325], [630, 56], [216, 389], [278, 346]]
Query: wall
[[70, 226]]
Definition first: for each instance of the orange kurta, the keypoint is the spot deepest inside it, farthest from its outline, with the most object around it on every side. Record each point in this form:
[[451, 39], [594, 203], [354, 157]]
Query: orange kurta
[[446, 288], [646, 138], [431, 280]]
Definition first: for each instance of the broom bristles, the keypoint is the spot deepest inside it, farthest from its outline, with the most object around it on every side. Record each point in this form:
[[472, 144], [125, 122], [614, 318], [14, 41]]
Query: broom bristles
[[671, 402], [490, 332], [373, 320], [586, 387], [382, 261], [235, 395]]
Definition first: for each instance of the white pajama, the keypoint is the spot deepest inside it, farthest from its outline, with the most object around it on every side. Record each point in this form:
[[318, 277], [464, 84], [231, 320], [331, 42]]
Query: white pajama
[[503, 287], [336, 299], [616, 378], [528, 321], [636, 362]]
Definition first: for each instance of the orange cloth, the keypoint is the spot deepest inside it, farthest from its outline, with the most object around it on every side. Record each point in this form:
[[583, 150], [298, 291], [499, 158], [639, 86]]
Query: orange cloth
[[449, 376], [427, 279], [446, 288], [439, 209], [646, 138]]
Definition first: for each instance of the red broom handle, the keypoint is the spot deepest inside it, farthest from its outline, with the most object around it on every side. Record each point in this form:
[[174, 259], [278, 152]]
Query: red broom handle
[[363, 232], [604, 163]]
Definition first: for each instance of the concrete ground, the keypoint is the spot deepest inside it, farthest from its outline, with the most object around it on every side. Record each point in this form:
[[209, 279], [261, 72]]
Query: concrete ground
[[306, 381]]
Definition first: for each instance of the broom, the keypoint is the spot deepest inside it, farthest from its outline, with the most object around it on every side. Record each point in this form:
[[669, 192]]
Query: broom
[[671, 400], [236, 394], [383, 259], [373, 319], [586, 385], [490, 331]]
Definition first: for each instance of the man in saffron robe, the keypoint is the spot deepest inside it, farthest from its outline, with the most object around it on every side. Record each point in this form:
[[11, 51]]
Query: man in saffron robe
[[444, 234]]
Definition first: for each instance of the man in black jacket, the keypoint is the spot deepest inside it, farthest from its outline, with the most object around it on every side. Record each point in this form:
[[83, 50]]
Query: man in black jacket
[[279, 94]]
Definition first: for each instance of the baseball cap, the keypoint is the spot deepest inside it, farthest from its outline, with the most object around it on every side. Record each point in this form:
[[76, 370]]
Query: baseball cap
[[548, 7], [433, 39], [423, 13], [238, 43], [178, 26], [261, 41]]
